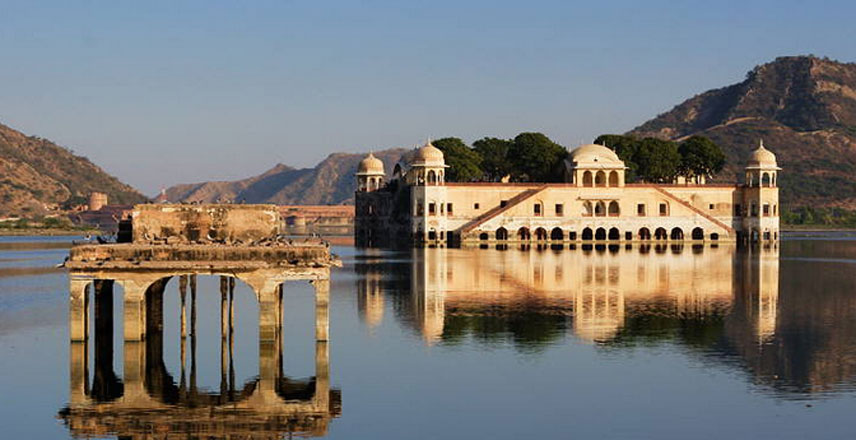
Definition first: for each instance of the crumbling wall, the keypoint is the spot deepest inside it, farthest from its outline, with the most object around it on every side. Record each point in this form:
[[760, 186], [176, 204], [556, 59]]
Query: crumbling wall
[[209, 223]]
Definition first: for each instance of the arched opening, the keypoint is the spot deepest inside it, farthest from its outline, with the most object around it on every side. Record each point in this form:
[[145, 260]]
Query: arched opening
[[502, 234], [557, 235], [600, 234], [600, 209], [644, 234], [677, 234], [396, 172], [432, 177], [767, 235], [541, 234], [714, 236], [661, 234], [613, 178], [614, 210], [587, 179], [483, 236], [587, 209], [600, 179], [765, 180], [441, 177], [755, 235], [698, 234], [614, 234], [572, 235], [587, 234], [523, 234], [432, 235]]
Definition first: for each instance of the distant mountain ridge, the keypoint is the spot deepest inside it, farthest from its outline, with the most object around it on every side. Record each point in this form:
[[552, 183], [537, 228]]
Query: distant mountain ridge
[[36, 174], [804, 108], [331, 182]]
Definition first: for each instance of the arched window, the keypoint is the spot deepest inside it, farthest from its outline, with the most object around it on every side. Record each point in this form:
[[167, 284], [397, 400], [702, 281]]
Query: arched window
[[661, 234], [614, 234], [765, 180], [644, 234], [714, 236], [600, 209], [600, 179], [442, 176], [587, 234], [502, 234], [557, 235], [614, 211], [587, 209], [600, 234], [432, 177], [587, 179], [698, 234], [483, 236], [613, 178], [541, 234], [677, 234], [523, 234]]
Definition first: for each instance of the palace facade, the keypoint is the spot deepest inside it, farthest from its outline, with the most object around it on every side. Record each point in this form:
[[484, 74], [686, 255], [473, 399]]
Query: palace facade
[[415, 204]]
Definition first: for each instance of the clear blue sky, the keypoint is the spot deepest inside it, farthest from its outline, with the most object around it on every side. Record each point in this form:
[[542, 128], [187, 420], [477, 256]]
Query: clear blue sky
[[160, 93]]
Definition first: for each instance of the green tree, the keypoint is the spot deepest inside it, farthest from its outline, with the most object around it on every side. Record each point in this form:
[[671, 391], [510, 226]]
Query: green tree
[[658, 160], [494, 154], [464, 163], [700, 157], [536, 158]]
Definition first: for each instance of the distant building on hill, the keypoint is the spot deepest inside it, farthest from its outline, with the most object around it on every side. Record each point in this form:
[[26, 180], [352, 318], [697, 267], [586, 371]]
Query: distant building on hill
[[417, 205]]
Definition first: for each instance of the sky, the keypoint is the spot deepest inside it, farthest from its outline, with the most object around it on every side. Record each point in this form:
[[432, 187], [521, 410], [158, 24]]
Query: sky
[[160, 93]]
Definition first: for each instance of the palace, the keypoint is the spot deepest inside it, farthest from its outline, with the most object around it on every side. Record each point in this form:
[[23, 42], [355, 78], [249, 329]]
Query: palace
[[416, 204]]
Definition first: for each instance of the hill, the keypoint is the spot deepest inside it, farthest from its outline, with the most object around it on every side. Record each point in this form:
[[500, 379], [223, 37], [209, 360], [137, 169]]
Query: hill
[[804, 108], [36, 176], [330, 182]]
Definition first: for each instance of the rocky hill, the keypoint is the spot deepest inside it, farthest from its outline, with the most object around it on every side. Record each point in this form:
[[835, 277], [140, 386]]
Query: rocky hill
[[37, 175], [330, 182], [804, 108]]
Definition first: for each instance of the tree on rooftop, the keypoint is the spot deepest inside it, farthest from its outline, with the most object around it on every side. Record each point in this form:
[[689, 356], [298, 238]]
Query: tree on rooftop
[[536, 158], [700, 157], [464, 163], [494, 154]]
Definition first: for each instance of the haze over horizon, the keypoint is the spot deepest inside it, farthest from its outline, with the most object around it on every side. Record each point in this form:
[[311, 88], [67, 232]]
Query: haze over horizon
[[167, 94]]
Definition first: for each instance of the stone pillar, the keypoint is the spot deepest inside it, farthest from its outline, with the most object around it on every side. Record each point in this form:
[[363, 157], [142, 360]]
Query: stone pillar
[[182, 291], [322, 313], [135, 313], [224, 311], [104, 385], [269, 343], [77, 310]]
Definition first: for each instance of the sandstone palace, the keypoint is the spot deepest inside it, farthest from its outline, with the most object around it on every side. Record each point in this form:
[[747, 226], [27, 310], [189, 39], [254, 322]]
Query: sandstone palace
[[416, 204]]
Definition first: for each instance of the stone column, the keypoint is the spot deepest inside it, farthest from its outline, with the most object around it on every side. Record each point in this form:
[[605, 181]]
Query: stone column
[[322, 313], [77, 310], [182, 291], [269, 343], [135, 313], [105, 381], [224, 311]]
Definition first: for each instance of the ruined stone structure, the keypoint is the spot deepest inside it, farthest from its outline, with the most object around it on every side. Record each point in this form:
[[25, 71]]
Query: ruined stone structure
[[97, 200], [230, 241], [417, 205]]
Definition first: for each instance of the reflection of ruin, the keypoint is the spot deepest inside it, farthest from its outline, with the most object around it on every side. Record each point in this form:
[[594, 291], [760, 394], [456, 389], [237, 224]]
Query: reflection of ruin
[[147, 400]]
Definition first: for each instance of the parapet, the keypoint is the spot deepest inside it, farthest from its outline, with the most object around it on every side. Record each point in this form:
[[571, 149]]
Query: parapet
[[204, 224]]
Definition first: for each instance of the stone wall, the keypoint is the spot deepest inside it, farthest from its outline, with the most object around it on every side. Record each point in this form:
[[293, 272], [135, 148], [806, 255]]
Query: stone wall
[[208, 223]]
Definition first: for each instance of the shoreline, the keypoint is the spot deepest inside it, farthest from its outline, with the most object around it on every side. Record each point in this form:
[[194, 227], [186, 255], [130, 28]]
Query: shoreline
[[48, 232]]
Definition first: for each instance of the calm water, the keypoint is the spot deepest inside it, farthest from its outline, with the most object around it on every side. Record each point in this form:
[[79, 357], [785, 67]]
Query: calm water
[[434, 343]]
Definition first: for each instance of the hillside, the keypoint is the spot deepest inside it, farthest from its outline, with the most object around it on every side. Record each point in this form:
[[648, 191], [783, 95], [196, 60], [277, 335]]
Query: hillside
[[804, 108], [330, 182], [36, 174]]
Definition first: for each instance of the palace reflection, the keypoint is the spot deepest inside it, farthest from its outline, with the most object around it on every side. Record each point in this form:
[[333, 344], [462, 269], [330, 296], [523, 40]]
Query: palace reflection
[[721, 301], [149, 401]]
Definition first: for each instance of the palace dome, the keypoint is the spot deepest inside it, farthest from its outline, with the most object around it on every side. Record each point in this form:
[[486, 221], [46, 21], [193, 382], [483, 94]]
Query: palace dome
[[593, 153], [762, 157], [370, 165], [429, 155]]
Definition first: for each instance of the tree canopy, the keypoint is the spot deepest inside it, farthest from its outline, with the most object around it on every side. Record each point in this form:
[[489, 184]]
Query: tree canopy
[[536, 158], [494, 154], [464, 163], [661, 161]]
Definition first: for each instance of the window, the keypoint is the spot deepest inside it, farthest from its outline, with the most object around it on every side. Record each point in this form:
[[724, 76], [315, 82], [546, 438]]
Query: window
[[640, 210], [766, 209], [774, 209], [754, 210], [560, 209], [432, 208], [449, 208], [664, 210], [502, 203], [738, 210], [475, 206], [537, 209], [420, 209], [710, 207]]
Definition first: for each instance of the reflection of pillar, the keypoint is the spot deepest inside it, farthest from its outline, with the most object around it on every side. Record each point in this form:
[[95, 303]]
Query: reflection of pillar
[[322, 374], [135, 365], [322, 306], [79, 369], [77, 310]]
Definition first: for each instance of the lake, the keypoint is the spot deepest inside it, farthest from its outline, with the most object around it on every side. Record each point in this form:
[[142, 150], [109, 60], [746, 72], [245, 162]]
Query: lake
[[586, 342]]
